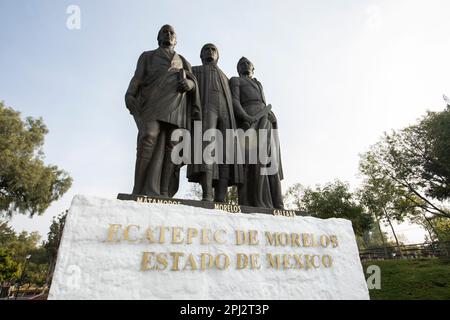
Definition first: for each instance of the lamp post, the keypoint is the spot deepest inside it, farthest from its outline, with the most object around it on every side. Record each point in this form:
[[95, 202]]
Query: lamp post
[[27, 258]]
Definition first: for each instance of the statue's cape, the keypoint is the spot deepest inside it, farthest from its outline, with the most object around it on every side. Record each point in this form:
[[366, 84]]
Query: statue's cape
[[203, 76], [193, 105]]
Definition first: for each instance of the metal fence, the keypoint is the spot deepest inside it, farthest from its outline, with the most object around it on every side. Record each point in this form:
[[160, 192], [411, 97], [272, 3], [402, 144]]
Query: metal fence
[[25, 292], [410, 251]]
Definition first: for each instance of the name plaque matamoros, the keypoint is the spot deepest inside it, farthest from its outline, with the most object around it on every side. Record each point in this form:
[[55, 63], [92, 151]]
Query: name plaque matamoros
[[113, 249]]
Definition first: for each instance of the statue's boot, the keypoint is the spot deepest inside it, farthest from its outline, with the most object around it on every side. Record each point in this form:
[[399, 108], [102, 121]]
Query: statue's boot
[[275, 190], [206, 182], [140, 174], [243, 197], [147, 171], [258, 189], [220, 191], [166, 175]]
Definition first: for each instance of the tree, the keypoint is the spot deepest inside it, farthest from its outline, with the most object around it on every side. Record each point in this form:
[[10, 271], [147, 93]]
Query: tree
[[9, 269], [196, 192], [25, 244], [27, 185], [334, 200], [434, 129], [383, 197], [428, 225], [416, 160], [14, 249], [374, 238], [231, 196], [53, 241], [293, 198], [442, 227], [7, 235], [439, 231]]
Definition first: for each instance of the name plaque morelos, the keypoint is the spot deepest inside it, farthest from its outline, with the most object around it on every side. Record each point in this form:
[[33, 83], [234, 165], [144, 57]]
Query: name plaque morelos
[[233, 208], [148, 249]]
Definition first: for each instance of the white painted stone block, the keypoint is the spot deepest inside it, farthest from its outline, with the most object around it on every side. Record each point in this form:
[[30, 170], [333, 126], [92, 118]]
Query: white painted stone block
[[99, 259]]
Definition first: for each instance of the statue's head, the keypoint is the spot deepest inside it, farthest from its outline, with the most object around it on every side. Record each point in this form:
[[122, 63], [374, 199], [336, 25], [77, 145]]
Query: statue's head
[[245, 67], [209, 53], [167, 36]]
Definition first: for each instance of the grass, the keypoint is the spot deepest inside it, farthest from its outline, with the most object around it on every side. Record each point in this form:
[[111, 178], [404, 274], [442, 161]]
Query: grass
[[412, 279]]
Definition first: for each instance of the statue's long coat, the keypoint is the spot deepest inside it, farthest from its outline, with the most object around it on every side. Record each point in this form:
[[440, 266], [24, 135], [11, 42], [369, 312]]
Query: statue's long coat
[[154, 85], [203, 75], [154, 88], [248, 99]]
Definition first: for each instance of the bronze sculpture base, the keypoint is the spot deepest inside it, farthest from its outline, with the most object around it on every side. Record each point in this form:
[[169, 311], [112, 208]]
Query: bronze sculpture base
[[232, 208]]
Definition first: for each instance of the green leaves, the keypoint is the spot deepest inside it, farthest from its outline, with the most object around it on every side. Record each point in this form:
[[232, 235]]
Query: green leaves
[[54, 236], [411, 165], [333, 200], [436, 165], [14, 249], [9, 269], [27, 185]]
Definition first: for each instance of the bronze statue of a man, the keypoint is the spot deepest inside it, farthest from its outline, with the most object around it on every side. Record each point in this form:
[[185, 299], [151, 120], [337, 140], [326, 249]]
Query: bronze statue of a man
[[217, 113], [161, 97], [258, 190]]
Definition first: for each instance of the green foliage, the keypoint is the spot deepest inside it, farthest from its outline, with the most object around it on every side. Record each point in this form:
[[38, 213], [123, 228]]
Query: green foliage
[[18, 246], [24, 244], [54, 236], [9, 269], [43, 256], [7, 234], [334, 200], [373, 238], [51, 246], [434, 129], [414, 163], [232, 195], [195, 192], [442, 228], [27, 185], [293, 198], [381, 195]]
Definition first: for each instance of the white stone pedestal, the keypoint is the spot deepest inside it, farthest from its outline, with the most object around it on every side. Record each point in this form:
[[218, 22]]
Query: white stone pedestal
[[114, 249]]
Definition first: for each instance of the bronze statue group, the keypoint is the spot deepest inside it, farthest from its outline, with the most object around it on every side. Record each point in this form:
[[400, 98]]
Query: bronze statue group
[[166, 94]]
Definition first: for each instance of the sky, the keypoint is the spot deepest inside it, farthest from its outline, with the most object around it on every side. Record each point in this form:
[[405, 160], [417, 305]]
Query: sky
[[337, 73]]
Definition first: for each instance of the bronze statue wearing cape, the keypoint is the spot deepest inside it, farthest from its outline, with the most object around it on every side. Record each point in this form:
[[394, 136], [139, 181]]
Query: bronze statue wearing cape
[[217, 113]]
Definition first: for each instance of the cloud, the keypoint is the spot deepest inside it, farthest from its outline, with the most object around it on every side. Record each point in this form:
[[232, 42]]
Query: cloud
[[374, 20]]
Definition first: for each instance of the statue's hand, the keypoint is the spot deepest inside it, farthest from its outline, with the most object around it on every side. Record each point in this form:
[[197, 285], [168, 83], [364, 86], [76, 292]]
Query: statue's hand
[[185, 85], [252, 119], [245, 125]]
